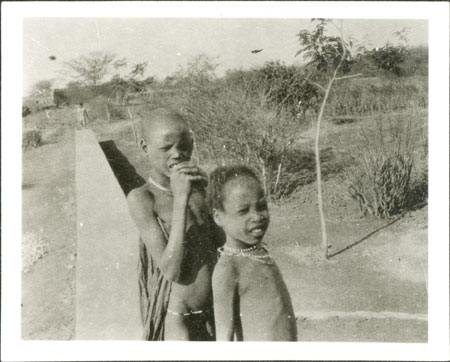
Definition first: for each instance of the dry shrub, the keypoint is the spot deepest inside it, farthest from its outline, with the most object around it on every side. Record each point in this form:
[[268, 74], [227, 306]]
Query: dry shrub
[[381, 178], [101, 108], [32, 138], [232, 128], [381, 184], [33, 249], [377, 95]]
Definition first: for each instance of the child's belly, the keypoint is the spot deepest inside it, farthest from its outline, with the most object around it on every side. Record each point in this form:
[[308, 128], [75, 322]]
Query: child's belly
[[274, 322], [194, 296], [265, 307]]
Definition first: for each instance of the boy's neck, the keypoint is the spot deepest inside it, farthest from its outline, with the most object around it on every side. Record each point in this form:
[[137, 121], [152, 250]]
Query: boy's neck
[[159, 179]]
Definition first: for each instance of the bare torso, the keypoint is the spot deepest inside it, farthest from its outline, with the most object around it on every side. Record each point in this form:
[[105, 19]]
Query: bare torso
[[264, 307], [193, 292]]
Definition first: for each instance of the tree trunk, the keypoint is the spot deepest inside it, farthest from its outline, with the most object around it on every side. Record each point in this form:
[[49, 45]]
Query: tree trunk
[[132, 125], [323, 226]]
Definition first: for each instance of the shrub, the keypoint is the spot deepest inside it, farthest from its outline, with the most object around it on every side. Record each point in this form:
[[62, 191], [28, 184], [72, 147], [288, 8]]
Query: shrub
[[284, 86], [31, 138], [389, 58], [381, 185], [381, 179], [231, 127], [25, 111], [101, 109]]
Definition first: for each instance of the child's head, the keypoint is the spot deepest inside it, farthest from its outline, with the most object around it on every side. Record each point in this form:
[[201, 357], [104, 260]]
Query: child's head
[[239, 206], [166, 139]]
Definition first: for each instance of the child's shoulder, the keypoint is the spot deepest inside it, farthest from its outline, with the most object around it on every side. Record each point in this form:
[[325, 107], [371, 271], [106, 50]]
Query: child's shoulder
[[226, 266], [141, 198], [142, 193]]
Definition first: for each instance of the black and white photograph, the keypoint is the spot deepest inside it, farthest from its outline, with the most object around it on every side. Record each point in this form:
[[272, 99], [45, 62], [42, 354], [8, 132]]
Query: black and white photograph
[[259, 172]]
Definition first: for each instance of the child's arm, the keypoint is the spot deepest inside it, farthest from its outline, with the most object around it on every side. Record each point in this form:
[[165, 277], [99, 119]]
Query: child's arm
[[140, 204], [225, 301], [169, 255]]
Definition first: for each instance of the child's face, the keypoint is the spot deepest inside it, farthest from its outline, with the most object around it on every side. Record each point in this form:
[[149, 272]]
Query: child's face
[[168, 144], [245, 216]]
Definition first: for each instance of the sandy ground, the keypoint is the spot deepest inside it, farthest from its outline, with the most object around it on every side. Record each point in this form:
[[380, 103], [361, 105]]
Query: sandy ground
[[373, 289], [49, 212]]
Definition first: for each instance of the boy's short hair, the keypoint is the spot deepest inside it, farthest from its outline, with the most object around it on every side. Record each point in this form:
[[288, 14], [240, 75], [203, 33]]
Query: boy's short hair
[[219, 178], [157, 115]]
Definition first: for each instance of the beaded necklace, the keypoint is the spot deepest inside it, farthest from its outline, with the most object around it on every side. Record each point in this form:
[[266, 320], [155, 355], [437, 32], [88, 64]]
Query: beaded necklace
[[158, 185], [264, 259]]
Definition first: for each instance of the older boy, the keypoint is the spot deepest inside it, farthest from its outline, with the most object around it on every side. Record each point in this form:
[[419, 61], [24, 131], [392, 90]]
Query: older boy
[[178, 245]]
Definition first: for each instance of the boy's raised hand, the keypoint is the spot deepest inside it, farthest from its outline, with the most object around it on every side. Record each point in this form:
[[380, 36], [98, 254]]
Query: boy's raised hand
[[182, 177]]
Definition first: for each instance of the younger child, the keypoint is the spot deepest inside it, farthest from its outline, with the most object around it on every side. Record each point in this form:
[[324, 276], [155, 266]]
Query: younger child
[[251, 300]]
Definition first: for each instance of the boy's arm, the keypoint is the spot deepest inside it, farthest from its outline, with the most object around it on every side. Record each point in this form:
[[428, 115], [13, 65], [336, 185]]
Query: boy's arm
[[168, 255], [224, 283]]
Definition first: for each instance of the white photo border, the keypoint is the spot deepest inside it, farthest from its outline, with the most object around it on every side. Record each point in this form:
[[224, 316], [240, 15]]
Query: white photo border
[[437, 348]]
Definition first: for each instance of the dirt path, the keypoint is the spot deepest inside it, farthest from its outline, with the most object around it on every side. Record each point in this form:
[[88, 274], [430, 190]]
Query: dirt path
[[49, 212], [374, 290]]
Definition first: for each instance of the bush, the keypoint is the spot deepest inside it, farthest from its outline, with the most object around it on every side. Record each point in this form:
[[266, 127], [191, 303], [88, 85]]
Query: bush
[[381, 185], [381, 179], [101, 109], [231, 127], [375, 95], [32, 138], [389, 58], [284, 86], [25, 111]]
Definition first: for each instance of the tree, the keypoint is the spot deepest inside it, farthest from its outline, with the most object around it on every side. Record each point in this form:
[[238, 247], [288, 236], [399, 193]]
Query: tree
[[389, 57], [200, 70], [42, 88], [90, 69], [327, 57]]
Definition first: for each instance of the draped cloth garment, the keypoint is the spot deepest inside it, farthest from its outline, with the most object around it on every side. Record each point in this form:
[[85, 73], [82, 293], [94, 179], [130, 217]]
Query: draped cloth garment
[[154, 292]]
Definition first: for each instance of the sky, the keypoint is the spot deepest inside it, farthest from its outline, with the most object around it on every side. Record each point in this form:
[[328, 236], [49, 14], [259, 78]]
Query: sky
[[168, 44]]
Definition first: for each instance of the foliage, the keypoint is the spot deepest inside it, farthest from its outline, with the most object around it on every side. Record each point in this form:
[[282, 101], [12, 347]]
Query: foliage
[[285, 87], [324, 52], [76, 95], [233, 128], [199, 71], [101, 108], [90, 69], [32, 138], [327, 56], [25, 111], [42, 88], [380, 179], [367, 96], [389, 58]]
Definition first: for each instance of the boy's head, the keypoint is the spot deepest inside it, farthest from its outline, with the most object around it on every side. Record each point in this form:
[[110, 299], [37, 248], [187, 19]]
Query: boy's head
[[239, 206], [166, 139]]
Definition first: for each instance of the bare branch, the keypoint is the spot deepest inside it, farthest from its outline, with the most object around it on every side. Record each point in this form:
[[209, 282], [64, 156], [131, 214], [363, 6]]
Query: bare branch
[[349, 76], [317, 85]]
